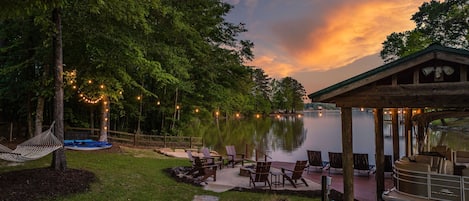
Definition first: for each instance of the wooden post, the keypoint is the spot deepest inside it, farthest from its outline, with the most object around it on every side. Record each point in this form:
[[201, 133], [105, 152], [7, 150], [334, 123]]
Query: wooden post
[[347, 152], [408, 131], [164, 140], [324, 188], [190, 142], [395, 134], [379, 150]]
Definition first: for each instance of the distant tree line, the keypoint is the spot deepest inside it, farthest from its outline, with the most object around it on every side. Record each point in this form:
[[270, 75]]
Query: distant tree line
[[158, 65]]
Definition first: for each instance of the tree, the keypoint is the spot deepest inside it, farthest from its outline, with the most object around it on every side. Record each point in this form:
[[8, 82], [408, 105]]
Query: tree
[[288, 94], [12, 9], [445, 23], [261, 91]]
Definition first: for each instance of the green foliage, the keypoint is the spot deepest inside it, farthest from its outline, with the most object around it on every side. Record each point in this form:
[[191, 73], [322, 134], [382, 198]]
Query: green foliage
[[172, 52], [444, 22]]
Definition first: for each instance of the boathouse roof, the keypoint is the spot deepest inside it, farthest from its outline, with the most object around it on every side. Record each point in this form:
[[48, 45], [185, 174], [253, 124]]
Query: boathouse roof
[[436, 76]]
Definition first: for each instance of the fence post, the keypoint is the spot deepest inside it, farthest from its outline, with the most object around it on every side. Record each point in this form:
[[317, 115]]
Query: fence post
[[135, 139], [190, 142], [164, 140]]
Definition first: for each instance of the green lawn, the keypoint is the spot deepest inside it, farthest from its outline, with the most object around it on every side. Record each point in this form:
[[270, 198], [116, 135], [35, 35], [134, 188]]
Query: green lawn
[[139, 175]]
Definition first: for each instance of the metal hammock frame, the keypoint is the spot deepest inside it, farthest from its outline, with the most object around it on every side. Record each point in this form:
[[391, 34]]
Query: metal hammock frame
[[32, 149]]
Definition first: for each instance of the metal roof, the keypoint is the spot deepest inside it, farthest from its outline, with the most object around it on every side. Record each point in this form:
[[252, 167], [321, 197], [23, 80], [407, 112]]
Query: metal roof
[[429, 49]]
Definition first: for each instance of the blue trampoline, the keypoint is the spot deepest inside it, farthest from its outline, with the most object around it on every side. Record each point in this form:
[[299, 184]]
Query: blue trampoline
[[86, 145]]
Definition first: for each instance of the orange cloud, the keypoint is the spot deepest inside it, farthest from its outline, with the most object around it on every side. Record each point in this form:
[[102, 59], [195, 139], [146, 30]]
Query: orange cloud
[[347, 32], [272, 66]]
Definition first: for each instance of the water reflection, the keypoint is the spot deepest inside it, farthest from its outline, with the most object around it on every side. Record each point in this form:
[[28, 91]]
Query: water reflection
[[288, 138]]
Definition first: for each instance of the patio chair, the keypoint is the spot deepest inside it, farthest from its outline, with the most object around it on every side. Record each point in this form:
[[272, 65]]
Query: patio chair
[[360, 163], [204, 170], [388, 163], [315, 160], [296, 174], [260, 174], [211, 159], [335, 161], [232, 157]]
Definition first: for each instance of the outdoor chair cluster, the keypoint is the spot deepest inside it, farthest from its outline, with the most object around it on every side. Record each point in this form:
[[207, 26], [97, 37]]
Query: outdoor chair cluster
[[360, 162], [201, 168]]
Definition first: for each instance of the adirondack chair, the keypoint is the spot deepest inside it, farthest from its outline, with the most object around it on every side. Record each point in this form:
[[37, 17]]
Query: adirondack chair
[[360, 163], [261, 174], [232, 157], [204, 170], [296, 174], [212, 159], [315, 160], [335, 161]]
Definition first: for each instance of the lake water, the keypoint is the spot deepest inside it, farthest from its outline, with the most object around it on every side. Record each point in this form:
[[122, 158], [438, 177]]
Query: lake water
[[324, 132], [288, 138]]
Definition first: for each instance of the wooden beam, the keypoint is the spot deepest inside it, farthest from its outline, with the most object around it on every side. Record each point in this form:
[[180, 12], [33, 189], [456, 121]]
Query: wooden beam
[[404, 101], [430, 89], [456, 58], [347, 152], [379, 149]]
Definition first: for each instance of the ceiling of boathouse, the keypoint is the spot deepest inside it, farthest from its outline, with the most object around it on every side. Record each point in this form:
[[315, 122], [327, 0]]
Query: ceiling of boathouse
[[436, 77]]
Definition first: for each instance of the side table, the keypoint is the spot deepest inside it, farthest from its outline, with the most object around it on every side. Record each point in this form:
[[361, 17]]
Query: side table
[[275, 178]]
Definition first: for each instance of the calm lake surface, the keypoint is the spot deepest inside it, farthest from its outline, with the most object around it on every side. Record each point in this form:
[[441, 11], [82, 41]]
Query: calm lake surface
[[288, 138]]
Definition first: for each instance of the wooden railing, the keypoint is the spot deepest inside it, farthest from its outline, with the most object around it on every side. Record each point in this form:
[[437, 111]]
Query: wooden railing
[[432, 186], [136, 139]]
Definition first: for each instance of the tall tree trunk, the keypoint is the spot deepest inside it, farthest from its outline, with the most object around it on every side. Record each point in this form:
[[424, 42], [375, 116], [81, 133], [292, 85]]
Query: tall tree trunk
[[39, 120], [104, 119], [58, 160], [175, 109]]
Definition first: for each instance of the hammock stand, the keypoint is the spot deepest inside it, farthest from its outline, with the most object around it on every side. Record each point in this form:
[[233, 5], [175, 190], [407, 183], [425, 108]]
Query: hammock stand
[[32, 149]]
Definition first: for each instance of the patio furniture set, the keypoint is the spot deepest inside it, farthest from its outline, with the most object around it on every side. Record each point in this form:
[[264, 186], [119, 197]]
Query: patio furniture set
[[205, 166]]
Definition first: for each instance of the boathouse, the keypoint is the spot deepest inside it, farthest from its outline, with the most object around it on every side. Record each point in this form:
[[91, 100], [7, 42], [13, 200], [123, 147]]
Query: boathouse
[[435, 77]]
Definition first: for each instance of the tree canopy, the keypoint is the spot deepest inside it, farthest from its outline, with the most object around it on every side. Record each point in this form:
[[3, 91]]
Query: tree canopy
[[442, 22], [156, 62]]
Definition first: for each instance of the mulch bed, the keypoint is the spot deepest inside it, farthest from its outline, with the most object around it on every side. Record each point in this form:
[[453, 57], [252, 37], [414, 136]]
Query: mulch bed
[[45, 183], [42, 183]]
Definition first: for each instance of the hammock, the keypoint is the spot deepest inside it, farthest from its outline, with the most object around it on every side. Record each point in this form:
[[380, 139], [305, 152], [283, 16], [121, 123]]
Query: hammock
[[32, 149]]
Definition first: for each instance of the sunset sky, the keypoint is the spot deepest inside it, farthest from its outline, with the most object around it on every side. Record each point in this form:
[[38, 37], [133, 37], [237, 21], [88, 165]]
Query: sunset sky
[[319, 42]]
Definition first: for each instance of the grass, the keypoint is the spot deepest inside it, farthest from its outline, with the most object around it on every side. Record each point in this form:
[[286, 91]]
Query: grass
[[139, 175]]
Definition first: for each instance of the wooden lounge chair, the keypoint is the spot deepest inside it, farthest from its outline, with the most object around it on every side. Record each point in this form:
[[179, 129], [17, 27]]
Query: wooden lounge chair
[[203, 170], [212, 159], [261, 174], [335, 161], [360, 163], [296, 174], [315, 160], [232, 157]]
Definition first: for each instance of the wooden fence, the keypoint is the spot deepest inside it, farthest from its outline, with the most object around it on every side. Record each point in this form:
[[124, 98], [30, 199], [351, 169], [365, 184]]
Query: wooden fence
[[136, 139]]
